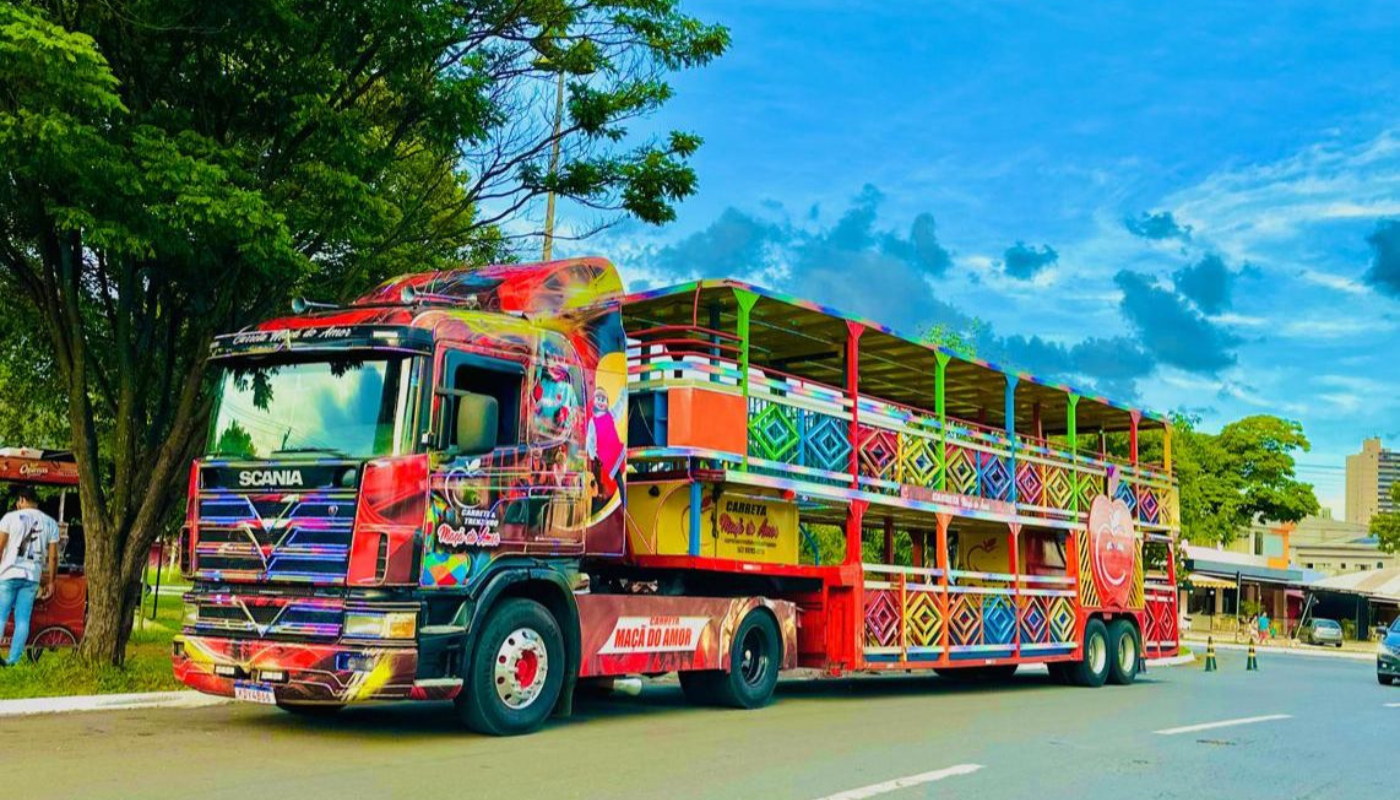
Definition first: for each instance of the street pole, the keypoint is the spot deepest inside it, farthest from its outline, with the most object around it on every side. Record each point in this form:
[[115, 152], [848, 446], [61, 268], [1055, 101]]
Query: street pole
[[553, 168]]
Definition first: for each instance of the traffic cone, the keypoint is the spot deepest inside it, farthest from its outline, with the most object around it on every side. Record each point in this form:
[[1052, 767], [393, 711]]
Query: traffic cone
[[1210, 654], [1142, 658], [1251, 663]]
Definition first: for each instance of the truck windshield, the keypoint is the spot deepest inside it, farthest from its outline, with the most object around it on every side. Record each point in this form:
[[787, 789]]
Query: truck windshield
[[346, 407]]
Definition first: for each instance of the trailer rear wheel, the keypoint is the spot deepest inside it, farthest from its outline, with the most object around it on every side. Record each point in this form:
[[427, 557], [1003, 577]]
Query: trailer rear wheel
[[754, 659], [1123, 650], [1092, 671], [516, 671]]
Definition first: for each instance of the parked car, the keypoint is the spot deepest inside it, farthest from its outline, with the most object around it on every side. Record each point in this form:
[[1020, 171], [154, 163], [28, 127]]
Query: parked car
[[1388, 655], [1321, 631]]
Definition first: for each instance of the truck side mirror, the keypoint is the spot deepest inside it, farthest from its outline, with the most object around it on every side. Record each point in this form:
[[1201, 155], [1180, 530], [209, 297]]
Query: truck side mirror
[[476, 423]]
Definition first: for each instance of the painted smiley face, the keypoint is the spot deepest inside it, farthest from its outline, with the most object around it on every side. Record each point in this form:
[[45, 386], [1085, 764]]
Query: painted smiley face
[[1113, 547]]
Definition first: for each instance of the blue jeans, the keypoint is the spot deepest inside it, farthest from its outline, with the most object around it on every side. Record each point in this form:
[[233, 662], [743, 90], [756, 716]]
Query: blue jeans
[[17, 593]]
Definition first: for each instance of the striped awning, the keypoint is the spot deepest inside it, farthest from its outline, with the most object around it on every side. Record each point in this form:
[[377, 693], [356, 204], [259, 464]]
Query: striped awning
[[1200, 580]]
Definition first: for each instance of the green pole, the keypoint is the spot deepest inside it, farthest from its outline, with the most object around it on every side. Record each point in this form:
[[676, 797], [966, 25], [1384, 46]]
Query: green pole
[[940, 404], [746, 300]]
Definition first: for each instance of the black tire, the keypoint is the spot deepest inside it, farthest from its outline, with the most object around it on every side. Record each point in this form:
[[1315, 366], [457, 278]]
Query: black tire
[[310, 710], [1092, 671], [523, 639], [1384, 680], [1124, 652], [754, 658], [1338, 645]]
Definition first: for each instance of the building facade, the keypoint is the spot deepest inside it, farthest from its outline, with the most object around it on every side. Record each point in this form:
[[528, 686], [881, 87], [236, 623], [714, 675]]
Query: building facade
[[1370, 474]]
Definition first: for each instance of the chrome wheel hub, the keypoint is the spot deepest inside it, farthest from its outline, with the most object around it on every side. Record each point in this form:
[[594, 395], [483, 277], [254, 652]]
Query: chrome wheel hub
[[1127, 655], [1098, 654], [522, 665]]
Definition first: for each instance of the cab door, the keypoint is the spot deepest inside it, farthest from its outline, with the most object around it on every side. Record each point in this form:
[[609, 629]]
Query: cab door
[[555, 426]]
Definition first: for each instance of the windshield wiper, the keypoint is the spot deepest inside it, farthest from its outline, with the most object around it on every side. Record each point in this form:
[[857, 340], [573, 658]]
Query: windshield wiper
[[292, 451]]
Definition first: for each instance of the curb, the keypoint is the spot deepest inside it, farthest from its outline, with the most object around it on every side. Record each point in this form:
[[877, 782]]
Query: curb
[[1174, 661], [1293, 651], [107, 702]]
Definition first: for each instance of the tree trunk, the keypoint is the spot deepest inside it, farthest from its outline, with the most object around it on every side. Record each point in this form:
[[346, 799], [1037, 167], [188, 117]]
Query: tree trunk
[[112, 603]]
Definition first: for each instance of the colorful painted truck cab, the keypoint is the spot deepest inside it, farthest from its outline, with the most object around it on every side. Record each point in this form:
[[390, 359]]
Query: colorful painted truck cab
[[491, 485]]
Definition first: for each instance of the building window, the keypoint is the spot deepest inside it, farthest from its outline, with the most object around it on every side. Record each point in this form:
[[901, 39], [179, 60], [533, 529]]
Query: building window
[[1344, 565], [1380, 565], [1308, 565]]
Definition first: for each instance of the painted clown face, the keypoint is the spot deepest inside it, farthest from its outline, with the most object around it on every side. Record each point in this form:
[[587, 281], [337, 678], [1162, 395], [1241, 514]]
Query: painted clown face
[[1113, 547]]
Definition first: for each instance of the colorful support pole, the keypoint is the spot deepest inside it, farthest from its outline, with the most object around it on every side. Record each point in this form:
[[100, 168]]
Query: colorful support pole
[[889, 541], [940, 401], [1011, 381], [1136, 417], [1013, 559], [940, 562], [854, 330], [746, 301], [1167, 449], [696, 500], [1072, 431]]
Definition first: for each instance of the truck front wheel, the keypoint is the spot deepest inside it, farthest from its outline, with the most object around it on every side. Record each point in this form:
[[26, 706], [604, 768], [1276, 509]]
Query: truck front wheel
[[754, 658], [516, 671]]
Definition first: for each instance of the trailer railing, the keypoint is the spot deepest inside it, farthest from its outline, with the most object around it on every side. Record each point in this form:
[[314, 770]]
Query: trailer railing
[[802, 429], [913, 614]]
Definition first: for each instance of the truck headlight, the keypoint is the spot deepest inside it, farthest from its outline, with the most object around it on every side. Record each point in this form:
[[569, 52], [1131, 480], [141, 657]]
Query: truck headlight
[[191, 615], [381, 625]]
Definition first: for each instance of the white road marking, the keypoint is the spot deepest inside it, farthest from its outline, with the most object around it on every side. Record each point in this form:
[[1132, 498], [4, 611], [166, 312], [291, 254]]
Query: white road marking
[[1392, 705], [903, 783], [1224, 723]]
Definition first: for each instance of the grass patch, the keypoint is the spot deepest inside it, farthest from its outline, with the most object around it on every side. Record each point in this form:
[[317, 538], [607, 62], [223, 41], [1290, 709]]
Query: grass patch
[[61, 673]]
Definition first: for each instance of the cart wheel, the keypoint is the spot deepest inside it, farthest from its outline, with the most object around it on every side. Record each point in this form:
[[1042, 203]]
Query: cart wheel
[[47, 640]]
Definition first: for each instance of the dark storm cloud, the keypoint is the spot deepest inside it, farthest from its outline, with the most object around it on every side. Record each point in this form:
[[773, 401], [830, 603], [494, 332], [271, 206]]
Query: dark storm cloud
[[734, 244], [1207, 283], [891, 276], [1384, 273], [1171, 329], [1023, 263], [1161, 225]]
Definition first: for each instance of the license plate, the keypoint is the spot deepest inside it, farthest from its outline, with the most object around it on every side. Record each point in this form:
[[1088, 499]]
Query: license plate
[[254, 693]]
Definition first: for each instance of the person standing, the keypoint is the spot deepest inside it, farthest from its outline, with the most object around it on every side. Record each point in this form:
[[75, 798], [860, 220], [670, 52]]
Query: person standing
[[28, 562]]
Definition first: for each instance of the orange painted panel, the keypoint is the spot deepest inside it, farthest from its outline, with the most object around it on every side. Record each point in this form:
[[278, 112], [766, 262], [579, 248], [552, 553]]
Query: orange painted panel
[[712, 420]]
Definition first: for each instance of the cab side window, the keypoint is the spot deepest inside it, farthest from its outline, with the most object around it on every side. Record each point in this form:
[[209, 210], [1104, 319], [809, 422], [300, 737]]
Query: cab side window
[[502, 380]]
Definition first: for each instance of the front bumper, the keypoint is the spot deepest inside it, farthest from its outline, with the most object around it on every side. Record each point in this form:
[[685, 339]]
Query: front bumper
[[1388, 665], [310, 673]]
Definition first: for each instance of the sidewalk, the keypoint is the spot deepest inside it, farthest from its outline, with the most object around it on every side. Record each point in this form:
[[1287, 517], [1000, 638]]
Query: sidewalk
[[107, 702], [1355, 651]]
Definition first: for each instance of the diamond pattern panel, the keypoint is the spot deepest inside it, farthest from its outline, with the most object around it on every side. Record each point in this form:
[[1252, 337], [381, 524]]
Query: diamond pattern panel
[[827, 444], [881, 618], [1128, 495], [996, 477], [1029, 487], [965, 620], [879, 453], [919, 461], [962, 472], [774, 432], [1035, 626], [1059, 489], [1149, 510], [1088, 592], [923, 619], [998, 621], [1061, 620], [1090, 486]]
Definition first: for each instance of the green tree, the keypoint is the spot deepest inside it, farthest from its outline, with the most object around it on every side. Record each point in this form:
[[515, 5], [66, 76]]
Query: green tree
[[962, 342], [1385, 526], [1230, 479], [170, 169]]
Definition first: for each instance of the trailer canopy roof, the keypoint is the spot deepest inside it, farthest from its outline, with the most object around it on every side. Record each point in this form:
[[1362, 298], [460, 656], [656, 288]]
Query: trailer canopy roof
[[808, 340]]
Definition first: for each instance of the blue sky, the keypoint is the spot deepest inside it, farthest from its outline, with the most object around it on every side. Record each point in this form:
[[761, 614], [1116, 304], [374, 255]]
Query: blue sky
[[1193, 205]]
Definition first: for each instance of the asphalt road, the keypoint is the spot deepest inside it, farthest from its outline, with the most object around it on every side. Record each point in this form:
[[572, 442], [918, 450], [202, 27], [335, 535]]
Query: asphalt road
[[820, 740]]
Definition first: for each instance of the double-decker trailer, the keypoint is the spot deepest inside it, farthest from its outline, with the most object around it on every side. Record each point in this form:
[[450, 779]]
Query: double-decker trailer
[[491, 485]]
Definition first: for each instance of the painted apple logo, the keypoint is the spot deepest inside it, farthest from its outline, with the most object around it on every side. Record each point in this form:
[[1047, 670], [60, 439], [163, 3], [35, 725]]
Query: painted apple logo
[[1113, 546]]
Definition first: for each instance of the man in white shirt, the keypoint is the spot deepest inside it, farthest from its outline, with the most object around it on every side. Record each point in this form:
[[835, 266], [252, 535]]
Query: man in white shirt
[[28, 561]]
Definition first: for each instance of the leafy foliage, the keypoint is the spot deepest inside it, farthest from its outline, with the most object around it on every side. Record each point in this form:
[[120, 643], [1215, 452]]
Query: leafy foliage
[[1385, 526], [1228, 480], [170, 169]]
